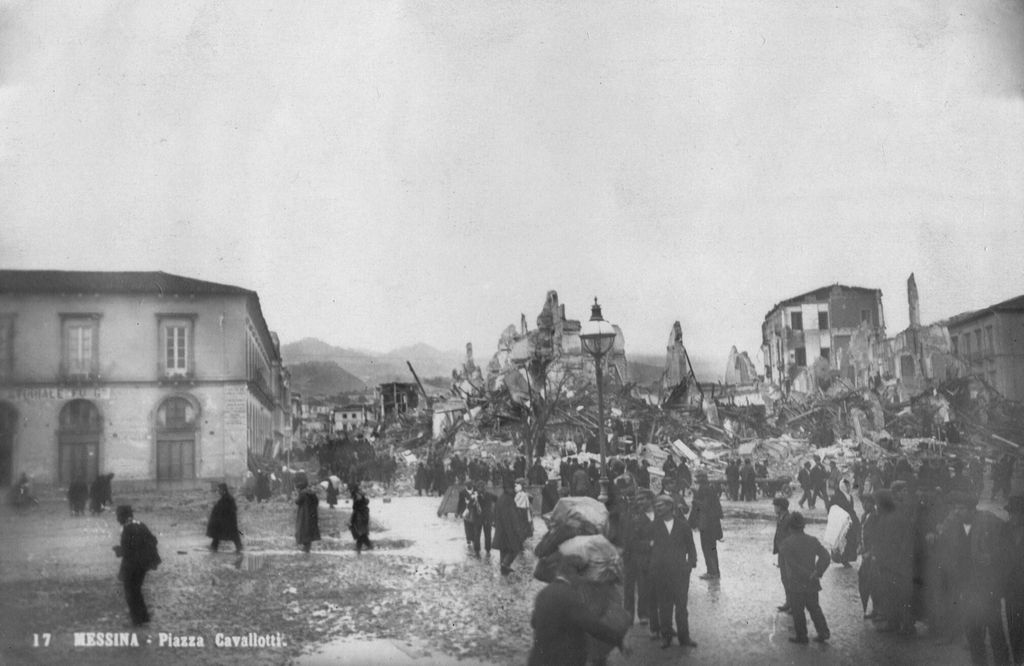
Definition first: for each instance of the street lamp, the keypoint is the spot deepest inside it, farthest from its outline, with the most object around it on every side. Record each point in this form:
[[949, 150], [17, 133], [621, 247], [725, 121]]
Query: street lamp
[[598, 338]]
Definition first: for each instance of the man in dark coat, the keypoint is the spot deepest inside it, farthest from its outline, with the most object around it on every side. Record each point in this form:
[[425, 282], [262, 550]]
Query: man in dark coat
[[707, 517], [487, 500], [561, 621], [636, 556], [805, 560], [748, 482], [422, 480], [732, 479], [307, 518], [819, 481], [359, 523], [262, 486], [975, 542], [78, 494], [509, 529], [139, 554], [470, 511], [100, 494], [673, 557], [223, 522], [1014, 589], [782, 532], [804, 478]]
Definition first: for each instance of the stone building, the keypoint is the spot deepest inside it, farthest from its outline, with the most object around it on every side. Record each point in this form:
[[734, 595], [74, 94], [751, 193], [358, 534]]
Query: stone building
[[161, 379], [843, 325], [991, 342]]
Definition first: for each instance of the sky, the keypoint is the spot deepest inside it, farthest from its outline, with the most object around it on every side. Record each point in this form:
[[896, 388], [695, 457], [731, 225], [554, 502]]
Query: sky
[[389, 173]]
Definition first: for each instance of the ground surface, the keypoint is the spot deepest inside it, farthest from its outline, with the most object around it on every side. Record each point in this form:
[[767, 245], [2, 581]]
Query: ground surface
[[419, 598]]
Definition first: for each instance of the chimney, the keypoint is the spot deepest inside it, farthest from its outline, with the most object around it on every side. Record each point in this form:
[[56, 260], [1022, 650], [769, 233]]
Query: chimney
[[915, 303]]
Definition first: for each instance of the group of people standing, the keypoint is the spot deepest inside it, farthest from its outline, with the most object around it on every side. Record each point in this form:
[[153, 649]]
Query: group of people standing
[[659, 554]]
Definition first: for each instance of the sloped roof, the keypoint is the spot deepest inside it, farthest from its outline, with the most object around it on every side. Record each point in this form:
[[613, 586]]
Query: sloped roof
[[106, 282], [819, 294], [1015, 304]]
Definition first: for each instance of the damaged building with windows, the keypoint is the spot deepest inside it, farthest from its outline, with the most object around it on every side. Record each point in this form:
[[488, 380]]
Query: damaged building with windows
[[841, 325]]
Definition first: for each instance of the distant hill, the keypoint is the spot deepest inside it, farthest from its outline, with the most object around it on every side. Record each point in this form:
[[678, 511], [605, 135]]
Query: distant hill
[[372, 368], [647, 368], [323, 378]]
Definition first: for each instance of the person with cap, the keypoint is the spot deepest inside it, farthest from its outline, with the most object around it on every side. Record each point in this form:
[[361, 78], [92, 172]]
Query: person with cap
[[782, 532], [562, 621], [805, 561], [975, 543], [707, 517], [636, 555], [1013, 593], [673, 557], [223, 522], [307, 518], [139, 555]]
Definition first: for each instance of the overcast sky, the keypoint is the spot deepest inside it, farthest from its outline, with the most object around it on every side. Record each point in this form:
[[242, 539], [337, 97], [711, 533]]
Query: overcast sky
[[391, 173]]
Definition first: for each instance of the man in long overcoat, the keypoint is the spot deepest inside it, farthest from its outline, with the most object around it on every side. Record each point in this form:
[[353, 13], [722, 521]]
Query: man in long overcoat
[[307, 518], [975, 543], [223, 522], [673, 557], [707, 517], [509, 529], [782, 519]]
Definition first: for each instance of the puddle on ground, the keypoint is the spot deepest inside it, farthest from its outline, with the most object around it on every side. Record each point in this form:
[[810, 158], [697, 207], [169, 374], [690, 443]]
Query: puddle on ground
[[371, 651]]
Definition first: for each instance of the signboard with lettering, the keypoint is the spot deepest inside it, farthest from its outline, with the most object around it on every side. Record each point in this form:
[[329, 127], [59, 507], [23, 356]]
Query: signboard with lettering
[[33, 393]]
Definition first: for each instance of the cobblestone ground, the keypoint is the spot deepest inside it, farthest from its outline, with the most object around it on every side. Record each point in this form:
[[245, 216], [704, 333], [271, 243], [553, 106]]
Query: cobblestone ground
[[419, 598]]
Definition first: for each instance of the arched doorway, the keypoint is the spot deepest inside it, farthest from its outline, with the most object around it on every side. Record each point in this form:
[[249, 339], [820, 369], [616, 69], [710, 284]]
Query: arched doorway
[[8, 426], [81, 426], [176, 422]]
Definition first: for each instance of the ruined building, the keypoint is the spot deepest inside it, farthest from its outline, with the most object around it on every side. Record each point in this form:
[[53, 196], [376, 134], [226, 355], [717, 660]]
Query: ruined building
[[920, 355], [840, 324], [556, 340]]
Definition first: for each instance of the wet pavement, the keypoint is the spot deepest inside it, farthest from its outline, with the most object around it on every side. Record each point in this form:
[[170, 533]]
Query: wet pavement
[[733, 620]]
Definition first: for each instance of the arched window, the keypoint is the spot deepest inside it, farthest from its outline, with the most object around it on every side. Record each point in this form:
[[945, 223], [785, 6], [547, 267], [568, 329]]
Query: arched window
[[81, 426], [176, 429]]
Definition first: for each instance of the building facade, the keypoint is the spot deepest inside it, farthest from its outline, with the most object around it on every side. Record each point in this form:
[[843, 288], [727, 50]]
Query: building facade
[[352, 418], [991, 343], [160, 379], [843, 325]]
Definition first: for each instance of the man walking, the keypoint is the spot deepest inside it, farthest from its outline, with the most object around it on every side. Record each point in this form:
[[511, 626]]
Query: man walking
[[223, 522], [707, 517], [138, 553], [805, 560]]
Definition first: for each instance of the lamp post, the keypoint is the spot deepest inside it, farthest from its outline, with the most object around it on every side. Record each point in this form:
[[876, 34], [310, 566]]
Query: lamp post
[[598, 337]]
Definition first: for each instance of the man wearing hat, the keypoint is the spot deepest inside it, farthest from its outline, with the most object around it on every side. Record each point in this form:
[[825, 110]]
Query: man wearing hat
[[707, 517], [138, 553], [782, 532], [673, 557], [975, 543], [636, 555], [805, 561], [1014, 590]]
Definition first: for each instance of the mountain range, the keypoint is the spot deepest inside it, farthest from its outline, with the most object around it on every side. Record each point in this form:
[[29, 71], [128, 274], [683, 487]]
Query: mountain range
[[319, 368]]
